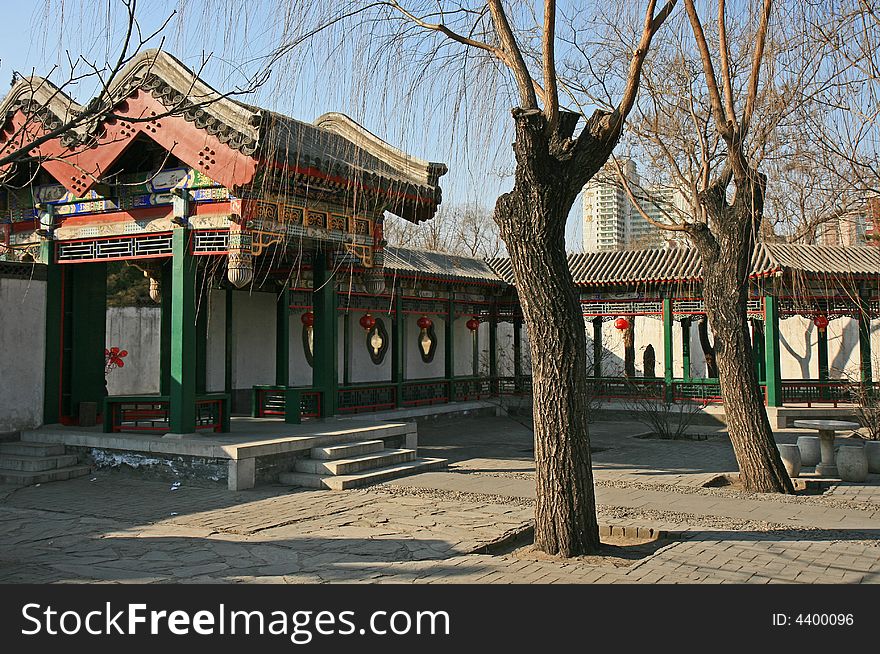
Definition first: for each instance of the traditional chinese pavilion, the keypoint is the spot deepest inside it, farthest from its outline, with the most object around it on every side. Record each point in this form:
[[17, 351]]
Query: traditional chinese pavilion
[[214, 199]]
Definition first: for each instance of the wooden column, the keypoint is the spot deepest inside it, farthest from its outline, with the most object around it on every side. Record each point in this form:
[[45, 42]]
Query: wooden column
[[667, 346], [597, 346], [449, 341], [53, 362], [493, 350], [398, 347], [686, 348], [758, 349], [183, 334], [325, 372], [822, 345], [282, 337], [864, 339], [346, 348], [771, 351]]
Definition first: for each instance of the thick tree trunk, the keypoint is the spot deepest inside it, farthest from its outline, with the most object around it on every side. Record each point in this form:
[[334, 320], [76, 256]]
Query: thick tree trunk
[[532, 220], [726, 260]]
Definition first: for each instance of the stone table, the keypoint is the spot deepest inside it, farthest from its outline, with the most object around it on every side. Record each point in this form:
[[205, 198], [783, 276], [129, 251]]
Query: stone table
[[826, 428]]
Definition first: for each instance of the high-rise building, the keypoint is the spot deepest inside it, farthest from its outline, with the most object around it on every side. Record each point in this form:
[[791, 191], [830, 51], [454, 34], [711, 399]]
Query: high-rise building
[[611, 222]]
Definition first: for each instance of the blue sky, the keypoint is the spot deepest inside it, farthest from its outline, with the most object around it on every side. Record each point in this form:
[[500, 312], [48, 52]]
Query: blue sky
[[35, 34]]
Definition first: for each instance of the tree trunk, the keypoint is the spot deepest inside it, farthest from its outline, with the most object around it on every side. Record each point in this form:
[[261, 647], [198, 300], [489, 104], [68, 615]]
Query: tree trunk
[[532, 221], [708, 349], [726, 261], [629, 349]]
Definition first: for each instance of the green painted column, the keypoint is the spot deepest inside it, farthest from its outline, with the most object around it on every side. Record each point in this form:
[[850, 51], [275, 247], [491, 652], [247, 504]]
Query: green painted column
[[823, 354], [325, 371], [449, 342], [54, 334], [517, 355], [667, 346], [758, 350], [771, 351], [864, 340], [346, 349], [493, 351], [282, 337], [88, 335], [182, 392], [686, 348], [398, 347], [597, 346], [228, 346], [165, 330]]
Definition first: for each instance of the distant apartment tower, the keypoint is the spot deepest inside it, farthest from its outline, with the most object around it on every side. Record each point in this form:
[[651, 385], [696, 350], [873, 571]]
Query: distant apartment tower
[[848, 229], [611, 222]]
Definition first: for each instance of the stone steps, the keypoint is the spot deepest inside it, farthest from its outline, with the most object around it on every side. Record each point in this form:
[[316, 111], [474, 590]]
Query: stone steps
[[27, 478], [36, 463], [364, 478], [347, 451], [24, 463], [28, 448], [349, 466]]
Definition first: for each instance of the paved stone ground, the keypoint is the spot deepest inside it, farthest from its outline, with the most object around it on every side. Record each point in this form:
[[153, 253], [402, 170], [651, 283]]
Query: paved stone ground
[[431, 528]]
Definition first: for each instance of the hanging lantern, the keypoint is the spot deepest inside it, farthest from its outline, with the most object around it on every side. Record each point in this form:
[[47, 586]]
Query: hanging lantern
[[424, 323], [621, 323], [308, 319], [367, 322], [821, 321], [473, 324]]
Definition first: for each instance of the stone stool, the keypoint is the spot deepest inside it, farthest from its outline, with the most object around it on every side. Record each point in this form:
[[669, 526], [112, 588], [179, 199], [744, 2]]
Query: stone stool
[[791, 458], [852, 463], [809, 448]]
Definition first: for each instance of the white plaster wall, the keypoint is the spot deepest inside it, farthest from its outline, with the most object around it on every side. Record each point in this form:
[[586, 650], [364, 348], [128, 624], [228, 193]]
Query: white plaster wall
[[215, 373], [137, 330], [253, 324], [300, 370], [361, 368], [464, 353], [22, 340], [648, 330], [798, 348], [483, 348], [415, 367], [843, 349]]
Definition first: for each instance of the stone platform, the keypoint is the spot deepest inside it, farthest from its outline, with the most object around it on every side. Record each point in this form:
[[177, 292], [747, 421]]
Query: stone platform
[[255, 450]]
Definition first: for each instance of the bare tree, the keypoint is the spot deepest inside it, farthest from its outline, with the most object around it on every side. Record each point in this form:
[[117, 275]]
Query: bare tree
[[465, 230], [555, 153]]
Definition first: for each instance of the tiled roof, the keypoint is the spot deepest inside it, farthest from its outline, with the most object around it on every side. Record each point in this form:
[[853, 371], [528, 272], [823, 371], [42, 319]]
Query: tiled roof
[[426, 264], [683, 264]]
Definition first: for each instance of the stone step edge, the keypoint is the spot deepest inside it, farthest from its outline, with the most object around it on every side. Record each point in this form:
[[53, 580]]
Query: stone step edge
[[45, 476], [325, 453], [69, 459], [366, 477]]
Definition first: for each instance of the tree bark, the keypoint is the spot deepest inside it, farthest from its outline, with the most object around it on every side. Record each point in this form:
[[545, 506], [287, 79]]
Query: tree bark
[[726, 255], [708, 349], [629, 349], [549, 174]]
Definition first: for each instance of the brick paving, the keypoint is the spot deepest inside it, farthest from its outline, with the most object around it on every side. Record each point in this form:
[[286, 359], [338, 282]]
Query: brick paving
[[429, 528]]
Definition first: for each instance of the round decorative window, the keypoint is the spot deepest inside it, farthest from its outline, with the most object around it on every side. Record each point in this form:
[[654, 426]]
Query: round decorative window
[[377, 341]]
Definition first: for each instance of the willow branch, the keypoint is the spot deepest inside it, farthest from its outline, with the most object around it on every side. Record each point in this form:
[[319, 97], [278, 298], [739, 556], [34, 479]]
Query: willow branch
[[725, 128]]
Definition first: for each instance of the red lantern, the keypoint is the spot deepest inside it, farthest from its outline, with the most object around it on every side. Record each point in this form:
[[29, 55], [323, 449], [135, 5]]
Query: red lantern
[[308, 319], [821, 321], [424, 322], [473, 324], [367, 322], [621, 323]]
